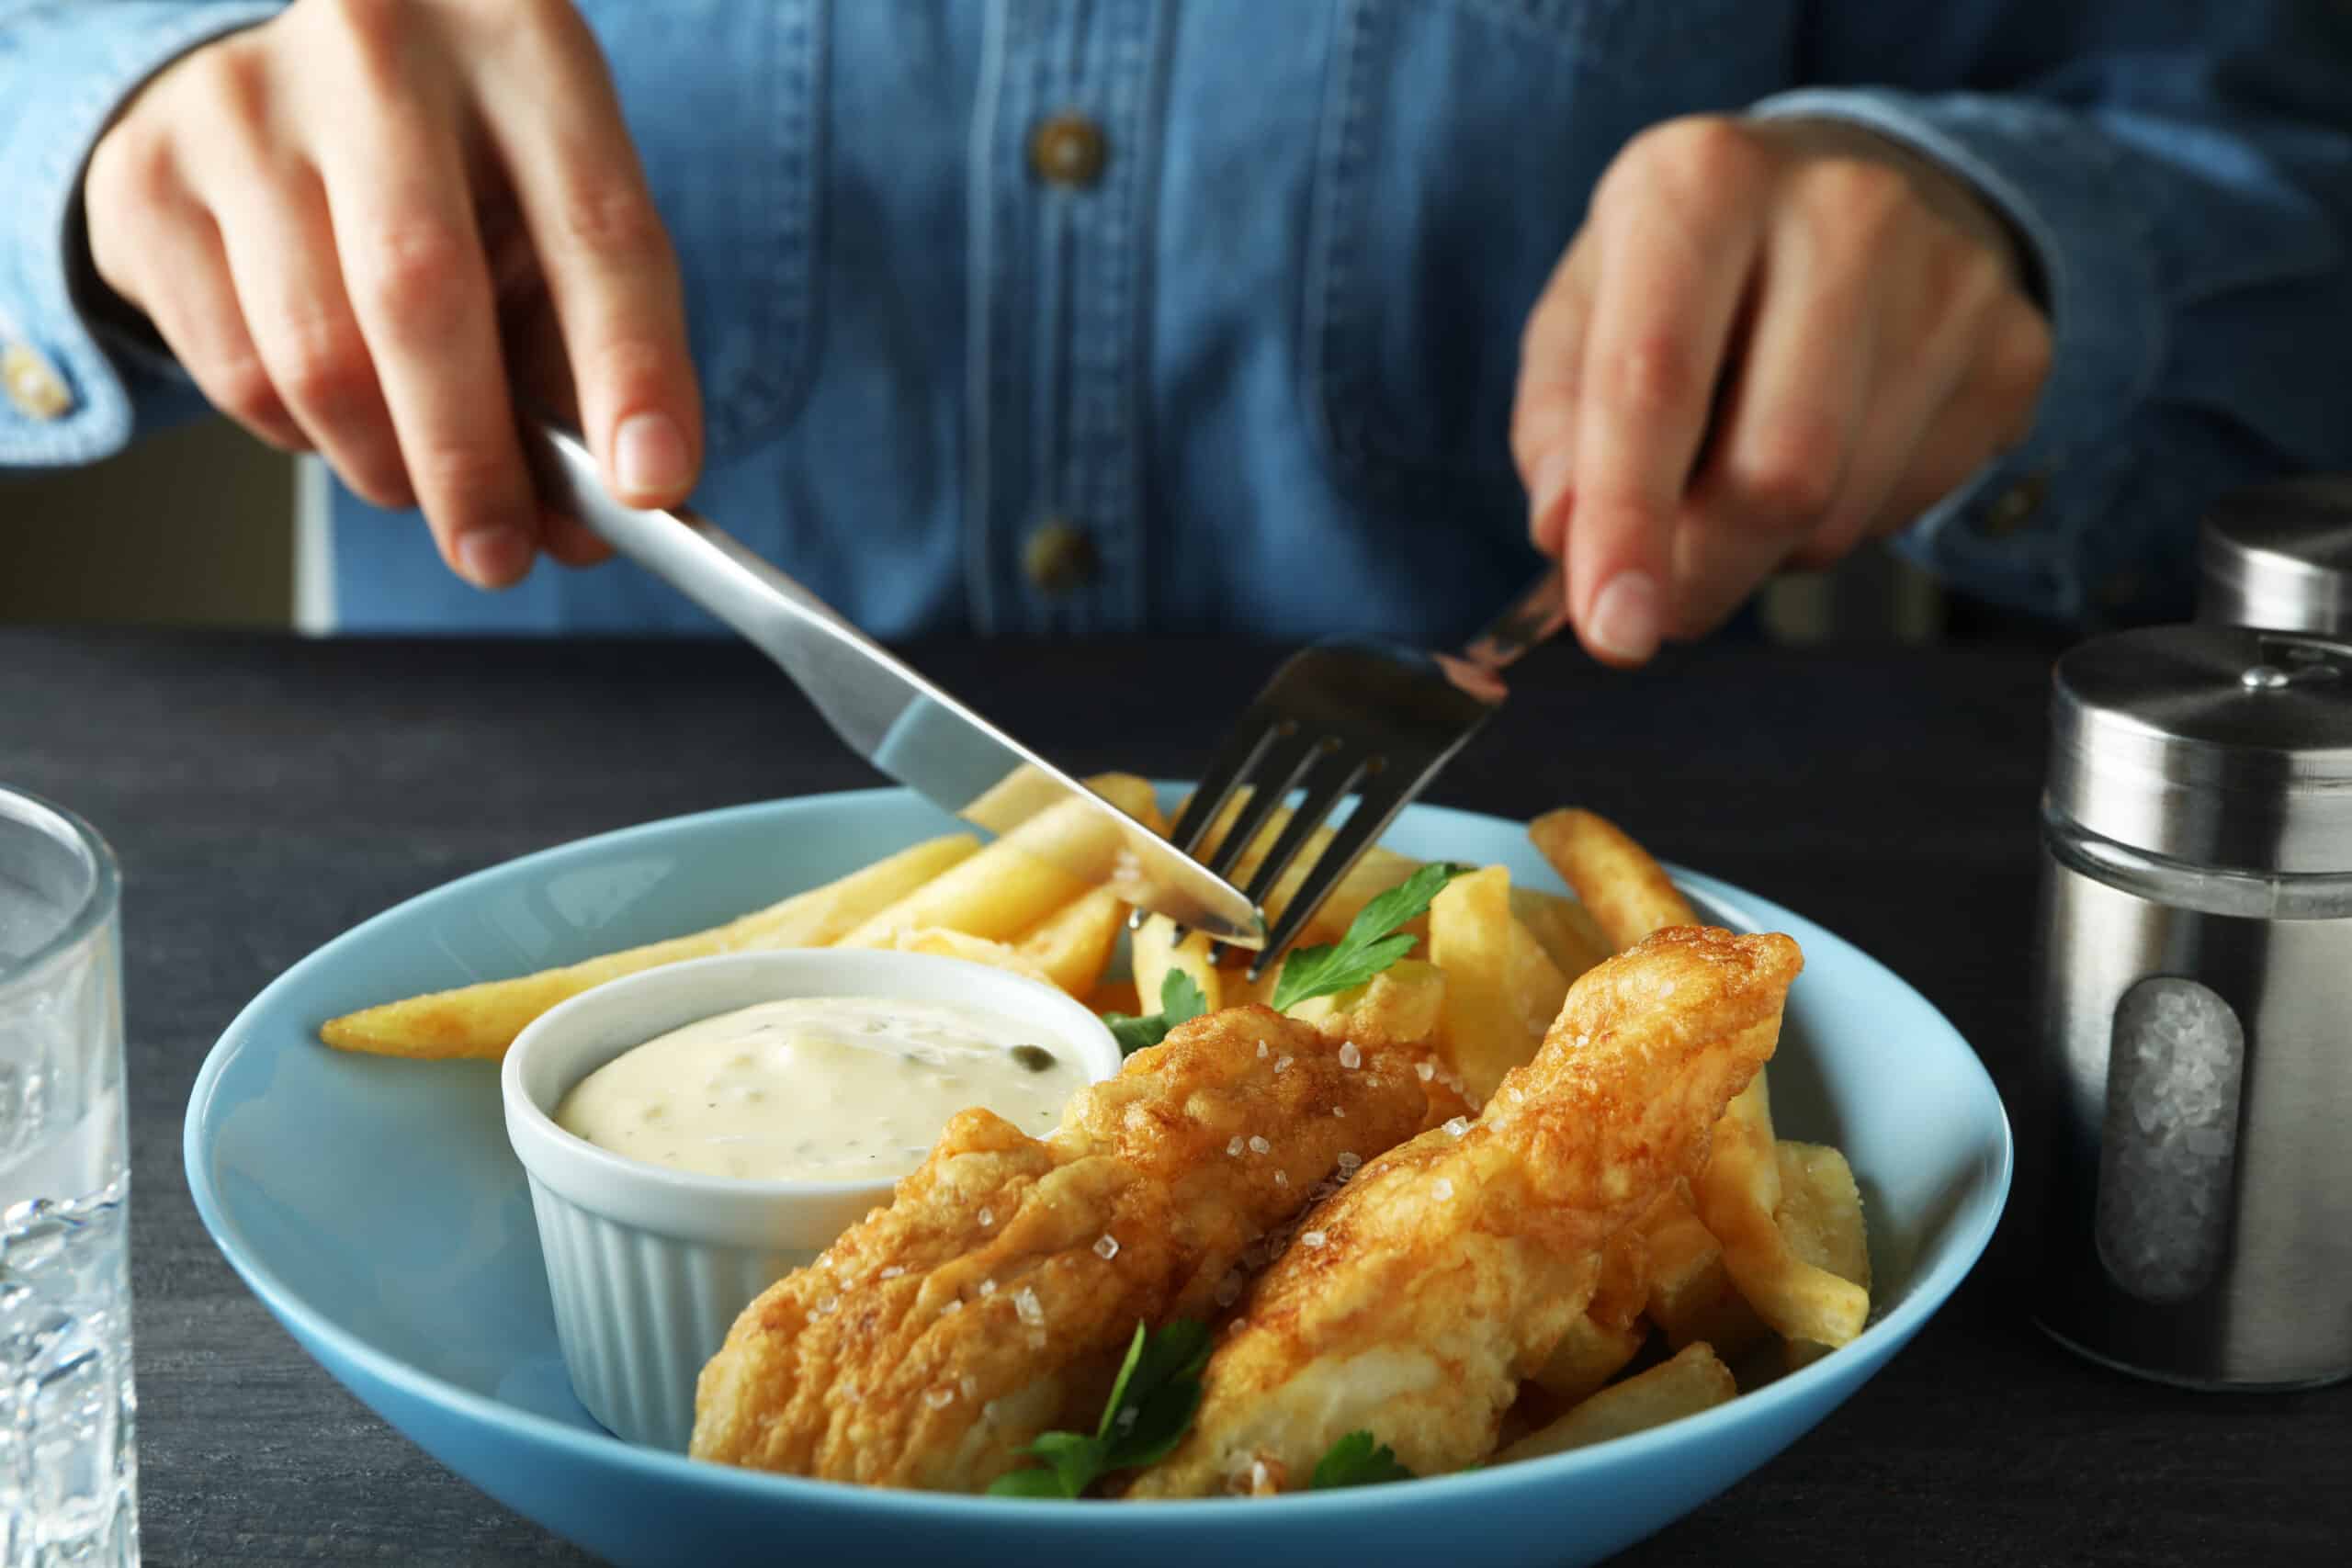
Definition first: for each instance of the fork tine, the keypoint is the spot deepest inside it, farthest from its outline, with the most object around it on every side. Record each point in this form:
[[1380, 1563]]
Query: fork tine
[[1234, 759], [1375, 809], [1239, 752], [1329, 773], [1282, 766]]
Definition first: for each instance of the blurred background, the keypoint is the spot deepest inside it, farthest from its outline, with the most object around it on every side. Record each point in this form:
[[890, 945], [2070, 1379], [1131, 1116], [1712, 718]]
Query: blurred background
[[202, 526]]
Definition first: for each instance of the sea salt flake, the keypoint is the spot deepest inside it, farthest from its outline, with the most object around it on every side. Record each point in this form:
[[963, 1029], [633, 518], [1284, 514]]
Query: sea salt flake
[[1234, 1147], [988, 1218], [1350, 1159], [1257, 1144], [988, 1287], [1348, 1055], [1425, 1069], [1443, 1188], [1106, 1247], [1457, 1125], [1282, 1178], [1262, 1050], [1311, 1239], [1028, 1307], [892, 1272], [1282, 1063], [939, 1398]]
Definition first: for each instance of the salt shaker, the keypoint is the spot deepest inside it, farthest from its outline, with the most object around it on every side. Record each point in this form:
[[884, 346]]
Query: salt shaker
[[2280, 556], [2192, 1099]]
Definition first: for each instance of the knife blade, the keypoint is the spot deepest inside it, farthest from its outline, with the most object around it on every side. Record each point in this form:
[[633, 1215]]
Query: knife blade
[[890, 713]]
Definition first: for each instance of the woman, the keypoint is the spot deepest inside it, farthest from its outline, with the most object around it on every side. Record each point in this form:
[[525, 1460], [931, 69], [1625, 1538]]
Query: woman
[[1047, 319]]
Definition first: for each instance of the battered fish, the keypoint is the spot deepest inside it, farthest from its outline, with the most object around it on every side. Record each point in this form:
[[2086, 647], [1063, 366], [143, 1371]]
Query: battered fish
[[993, 1299], [1415, 1300]]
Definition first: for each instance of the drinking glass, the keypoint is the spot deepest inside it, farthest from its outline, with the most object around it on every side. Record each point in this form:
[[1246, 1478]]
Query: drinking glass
[[68, 1462]]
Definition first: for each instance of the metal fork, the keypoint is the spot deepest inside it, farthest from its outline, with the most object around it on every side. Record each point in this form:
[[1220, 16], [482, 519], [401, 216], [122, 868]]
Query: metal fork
[[1344, 717]]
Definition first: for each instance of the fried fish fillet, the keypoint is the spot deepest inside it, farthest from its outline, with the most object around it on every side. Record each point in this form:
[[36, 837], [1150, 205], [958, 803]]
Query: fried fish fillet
[[1415, 1300], [993, 1299]]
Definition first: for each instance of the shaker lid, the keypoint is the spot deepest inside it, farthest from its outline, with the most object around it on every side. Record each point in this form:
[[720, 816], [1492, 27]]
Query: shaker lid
[[2280, 555], [2218, 745]]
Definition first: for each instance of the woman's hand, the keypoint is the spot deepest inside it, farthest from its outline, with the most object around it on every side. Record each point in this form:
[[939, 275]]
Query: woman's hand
[[1770, 340], [344, 221]]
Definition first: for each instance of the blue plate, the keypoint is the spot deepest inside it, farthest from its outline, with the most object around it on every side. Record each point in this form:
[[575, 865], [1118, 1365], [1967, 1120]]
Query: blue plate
[[374, 1205]]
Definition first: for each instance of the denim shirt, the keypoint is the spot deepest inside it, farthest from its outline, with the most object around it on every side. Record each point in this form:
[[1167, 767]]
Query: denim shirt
[[1253, 373]]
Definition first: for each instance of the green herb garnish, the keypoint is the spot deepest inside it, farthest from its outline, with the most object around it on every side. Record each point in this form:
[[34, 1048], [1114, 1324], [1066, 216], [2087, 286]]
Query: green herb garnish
[[1150, 1405], [1372, 944], [1356, 1460], [1037, 1058], [1181, 1002]]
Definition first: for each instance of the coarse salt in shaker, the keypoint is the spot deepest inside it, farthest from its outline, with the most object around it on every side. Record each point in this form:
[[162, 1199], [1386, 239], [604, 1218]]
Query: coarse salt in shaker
[[2280, 556], [2194, 1079]]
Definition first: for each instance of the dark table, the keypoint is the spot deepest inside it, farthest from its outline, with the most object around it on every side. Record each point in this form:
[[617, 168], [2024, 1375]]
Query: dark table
[[265, 794]]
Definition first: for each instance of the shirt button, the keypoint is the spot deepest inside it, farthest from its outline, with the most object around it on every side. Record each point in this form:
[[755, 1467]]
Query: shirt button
[[1058, 557], [2015, 507], [35, 388], [1068, 149]]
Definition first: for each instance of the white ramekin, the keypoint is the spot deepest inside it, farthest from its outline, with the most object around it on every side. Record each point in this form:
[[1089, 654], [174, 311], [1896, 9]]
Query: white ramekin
[[649, 1266]]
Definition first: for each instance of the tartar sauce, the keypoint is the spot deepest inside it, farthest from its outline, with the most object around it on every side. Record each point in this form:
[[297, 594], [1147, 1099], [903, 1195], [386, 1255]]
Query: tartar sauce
[[817, 1088]]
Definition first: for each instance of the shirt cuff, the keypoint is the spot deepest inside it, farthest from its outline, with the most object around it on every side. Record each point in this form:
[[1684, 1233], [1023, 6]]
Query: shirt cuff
[[63, 73], [2013, 533]]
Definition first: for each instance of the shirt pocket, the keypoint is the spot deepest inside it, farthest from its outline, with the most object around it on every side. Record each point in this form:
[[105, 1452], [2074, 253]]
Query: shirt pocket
[[1460, 141], [726, 103]]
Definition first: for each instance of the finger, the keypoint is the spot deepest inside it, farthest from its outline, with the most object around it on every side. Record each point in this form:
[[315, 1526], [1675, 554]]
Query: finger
[[1794, 408], [279, 242], [154, 245], [1672, 273], [199, 319], [607, 261], [404, 212], [1933, 331], [1543, 407], [535, 364], [1991, 412]]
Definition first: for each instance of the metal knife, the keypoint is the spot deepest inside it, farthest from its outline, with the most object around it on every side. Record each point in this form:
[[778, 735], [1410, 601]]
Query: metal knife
[[889, 714]]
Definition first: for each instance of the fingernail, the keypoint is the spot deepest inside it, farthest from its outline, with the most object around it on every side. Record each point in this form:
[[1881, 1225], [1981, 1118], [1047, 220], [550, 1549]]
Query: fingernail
[[1625, 618], [1551, 483], [649, 456], [494, 557]]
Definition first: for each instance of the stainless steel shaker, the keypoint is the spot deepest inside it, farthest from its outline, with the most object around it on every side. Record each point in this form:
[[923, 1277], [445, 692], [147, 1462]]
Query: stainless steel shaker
[[2280, 556], [2193, 1092]]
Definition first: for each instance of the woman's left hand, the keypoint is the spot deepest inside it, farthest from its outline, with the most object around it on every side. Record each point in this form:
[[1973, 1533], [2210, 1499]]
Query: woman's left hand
[[1770, 340]]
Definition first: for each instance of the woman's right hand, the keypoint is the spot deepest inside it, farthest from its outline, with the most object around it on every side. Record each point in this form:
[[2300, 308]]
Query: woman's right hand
[[353, 222]]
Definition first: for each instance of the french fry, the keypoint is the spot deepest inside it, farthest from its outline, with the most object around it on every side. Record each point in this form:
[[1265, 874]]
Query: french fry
[[1694, 1379], [482, 1021], [1008, 888], [941, 942], [1689, 1296], [1117, 996], [1820, 1218], [1403, 1005], [1610, 1333], [1072, 946], [1564, 928], [1737, 1193], [1587, 1357], [1738, 1189], [1626, 892], [1155, 952], [1501, 992]]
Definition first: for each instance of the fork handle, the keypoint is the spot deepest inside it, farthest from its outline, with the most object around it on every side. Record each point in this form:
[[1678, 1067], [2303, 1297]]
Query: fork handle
[[1539, 611]]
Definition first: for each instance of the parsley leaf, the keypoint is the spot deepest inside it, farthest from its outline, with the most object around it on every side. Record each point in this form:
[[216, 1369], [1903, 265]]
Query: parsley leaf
[[1181, 1002], [1157, 1389], [1372, 944], [1356, 1460]]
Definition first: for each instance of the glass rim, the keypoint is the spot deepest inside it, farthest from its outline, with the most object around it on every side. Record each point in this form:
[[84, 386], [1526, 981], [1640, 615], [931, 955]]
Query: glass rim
[[99, 902]]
